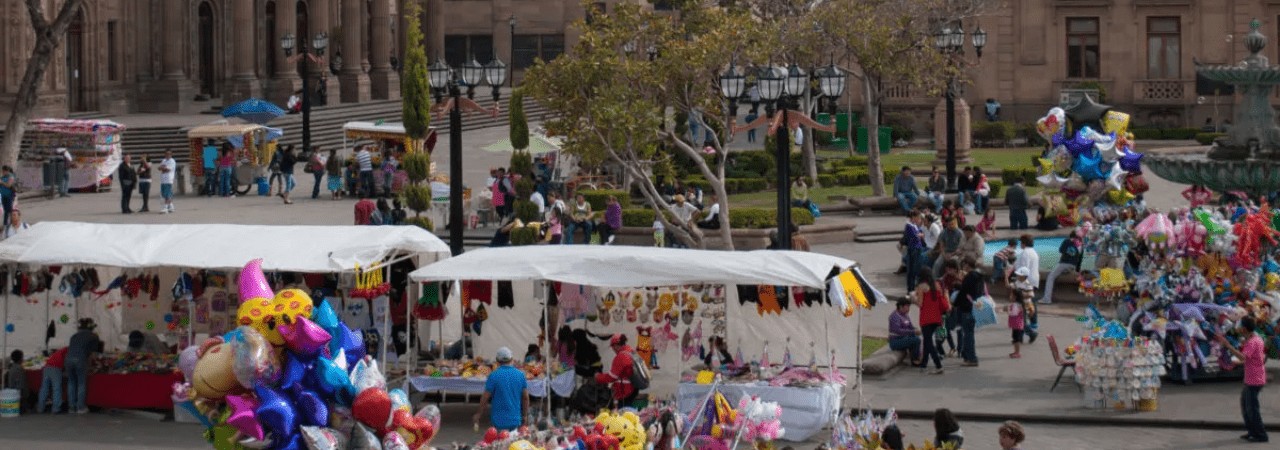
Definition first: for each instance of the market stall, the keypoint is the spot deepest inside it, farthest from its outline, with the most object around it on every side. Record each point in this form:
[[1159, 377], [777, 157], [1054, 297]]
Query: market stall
[[122, 380], [254, 144], [94, 146], [655, 296], [135, 265], [389, 134]]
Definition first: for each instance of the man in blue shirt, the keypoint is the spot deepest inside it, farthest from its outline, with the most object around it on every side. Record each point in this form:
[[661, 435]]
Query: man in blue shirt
[[905, 189], [509, 393], [210, 168]]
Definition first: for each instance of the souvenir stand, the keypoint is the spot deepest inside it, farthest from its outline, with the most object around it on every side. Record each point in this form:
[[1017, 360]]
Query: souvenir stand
[[94, 146], [653, 295], [254, 146], [165, 279], [1114, 369]]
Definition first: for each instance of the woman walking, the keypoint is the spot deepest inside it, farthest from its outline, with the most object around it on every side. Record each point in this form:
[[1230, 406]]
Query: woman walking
[[334, 169], [287, 161], [932, 301]]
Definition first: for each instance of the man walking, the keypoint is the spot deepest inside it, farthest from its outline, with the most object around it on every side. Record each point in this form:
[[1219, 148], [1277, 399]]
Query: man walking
[[1016, 199], [128, 179], [364, 159], [316, 166], [168, 168], [973, 287], [508, 392], [905, 189], [210, 157], [913, 240], [1255, 377]]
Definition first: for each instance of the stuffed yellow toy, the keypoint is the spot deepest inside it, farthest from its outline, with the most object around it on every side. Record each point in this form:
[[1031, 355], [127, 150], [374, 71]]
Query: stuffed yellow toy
[[626, 427]]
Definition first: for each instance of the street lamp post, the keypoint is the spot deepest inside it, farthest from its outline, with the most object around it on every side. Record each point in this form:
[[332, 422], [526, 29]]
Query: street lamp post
[[443, 78], [511, 21], [950, 42], [318, 43]]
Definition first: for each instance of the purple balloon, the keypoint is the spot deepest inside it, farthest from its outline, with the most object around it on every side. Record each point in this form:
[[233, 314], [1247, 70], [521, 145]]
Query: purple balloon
[[1058, 139], [350, 342], [1131, 161], [302, 336], [1078, 145], [187, 360], [292, 442], [295, 371], [276, 412], [311, 407]]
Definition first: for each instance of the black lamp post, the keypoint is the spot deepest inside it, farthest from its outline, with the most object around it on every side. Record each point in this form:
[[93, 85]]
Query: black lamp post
[[950, 42], [318, 43], [510, 21], [443, 78]]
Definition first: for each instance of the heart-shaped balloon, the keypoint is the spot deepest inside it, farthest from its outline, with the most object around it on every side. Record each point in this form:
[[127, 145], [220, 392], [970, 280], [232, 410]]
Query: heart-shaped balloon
[[302, 336], [1051, 123], [253, 284], [277, 413], [332, 381], [373, 408], [432, 414], [416, 431], [320, 438], [311, 408], [324, 316], [243, 417]]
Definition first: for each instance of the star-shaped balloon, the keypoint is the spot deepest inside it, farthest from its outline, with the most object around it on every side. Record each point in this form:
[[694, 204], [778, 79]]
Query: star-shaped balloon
[[302, 336], [1131, 161], [243, 417], [324, 316], [312, 407], [1089, 167], [295, 371], [1087, 113], [1044, 166], [332, 380], [1079, 145], [1115, 179], [1058, 139], [1106, 145], [276, 412], [1051, 181], [292, 442]]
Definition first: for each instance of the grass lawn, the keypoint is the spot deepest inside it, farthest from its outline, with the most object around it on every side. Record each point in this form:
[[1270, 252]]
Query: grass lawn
[[987, 158], [769, 199], [870, 345]]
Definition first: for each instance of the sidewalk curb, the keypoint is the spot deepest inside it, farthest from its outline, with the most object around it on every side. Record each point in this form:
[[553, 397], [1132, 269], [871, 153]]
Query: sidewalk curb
[[1080, 420]]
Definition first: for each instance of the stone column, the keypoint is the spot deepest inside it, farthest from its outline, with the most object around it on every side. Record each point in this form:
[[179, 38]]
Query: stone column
[[320, 72], [384, 80], [964, 136], [244, 83], [434, 26], [174, 89], [286, 80], [355, 83]]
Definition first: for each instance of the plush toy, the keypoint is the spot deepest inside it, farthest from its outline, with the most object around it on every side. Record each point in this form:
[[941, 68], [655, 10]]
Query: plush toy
[[625, 427]]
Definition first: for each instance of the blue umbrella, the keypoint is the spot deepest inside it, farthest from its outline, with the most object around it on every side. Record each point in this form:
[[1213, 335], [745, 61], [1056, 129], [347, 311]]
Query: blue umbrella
[[254, 110], [272, 134]]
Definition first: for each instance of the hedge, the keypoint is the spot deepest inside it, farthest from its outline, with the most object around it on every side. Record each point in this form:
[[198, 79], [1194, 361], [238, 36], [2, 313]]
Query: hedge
[[827, 180], [1032, 135], [852, 177], [1145, 133], [1181, 133], [731, 185], [1207, 138], [1028, 175], [599, 198], [852, 161], [993, 134], [526, 235], [996, 187], [738, 217]]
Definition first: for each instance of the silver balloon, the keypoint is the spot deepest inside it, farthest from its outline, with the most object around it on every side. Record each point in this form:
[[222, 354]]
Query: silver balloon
[[1116, 178]]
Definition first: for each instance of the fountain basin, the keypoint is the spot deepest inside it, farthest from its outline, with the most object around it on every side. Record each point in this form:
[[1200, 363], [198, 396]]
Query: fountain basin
[[1253, 176]]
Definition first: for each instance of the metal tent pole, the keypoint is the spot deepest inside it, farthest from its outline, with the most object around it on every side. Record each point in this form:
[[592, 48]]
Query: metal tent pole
[[5, 337], [546, 347], [386, 321]]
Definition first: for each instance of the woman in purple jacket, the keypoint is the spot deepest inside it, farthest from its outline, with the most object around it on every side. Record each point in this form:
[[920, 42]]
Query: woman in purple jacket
[[902, 334]]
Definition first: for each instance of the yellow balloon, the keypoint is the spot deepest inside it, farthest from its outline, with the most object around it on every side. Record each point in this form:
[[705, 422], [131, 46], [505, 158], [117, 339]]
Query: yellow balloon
[[522, 445], [213, 376], [1120, 196], [1115, 122], [293, 303], [259, 313]]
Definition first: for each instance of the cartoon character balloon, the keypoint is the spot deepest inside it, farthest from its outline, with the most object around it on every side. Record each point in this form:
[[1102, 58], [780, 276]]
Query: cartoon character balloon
[[626, 427], [213, 376]]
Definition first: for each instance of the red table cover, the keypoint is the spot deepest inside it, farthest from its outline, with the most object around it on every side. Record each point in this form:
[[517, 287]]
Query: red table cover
[[141, 390]]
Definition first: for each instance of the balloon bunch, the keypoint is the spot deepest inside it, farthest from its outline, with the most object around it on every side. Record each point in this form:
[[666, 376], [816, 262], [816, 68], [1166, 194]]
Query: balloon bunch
[[1090, 166], [369, 284], [292, 375], [759, 420]]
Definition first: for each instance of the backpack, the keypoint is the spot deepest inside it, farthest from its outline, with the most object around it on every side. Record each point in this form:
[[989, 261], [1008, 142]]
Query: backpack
[[639, 373]]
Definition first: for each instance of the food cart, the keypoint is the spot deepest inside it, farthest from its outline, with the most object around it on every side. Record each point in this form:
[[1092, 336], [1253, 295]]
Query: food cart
[[94, 146], [389, 134], [254, 146]]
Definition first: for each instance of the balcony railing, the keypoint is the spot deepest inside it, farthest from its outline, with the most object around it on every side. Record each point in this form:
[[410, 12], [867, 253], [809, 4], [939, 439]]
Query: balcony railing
[[1163, 91]]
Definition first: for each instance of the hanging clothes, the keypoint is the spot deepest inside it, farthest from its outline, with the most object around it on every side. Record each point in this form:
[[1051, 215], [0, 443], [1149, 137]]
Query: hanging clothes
[[481, 290], [506, 298], [768, 300], [748, 293]]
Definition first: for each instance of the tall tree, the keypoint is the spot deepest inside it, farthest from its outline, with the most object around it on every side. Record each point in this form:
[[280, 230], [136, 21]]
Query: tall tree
[[518, 123], [49, 36], [415, 84], [610, 103]]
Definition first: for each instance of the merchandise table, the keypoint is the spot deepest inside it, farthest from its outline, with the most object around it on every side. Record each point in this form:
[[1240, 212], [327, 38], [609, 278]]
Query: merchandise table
[[562, 385], [805, 410], [138, 390]]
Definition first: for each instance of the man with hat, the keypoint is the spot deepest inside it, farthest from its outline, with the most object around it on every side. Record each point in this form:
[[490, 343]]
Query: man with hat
[[619, 374], [509, 393]]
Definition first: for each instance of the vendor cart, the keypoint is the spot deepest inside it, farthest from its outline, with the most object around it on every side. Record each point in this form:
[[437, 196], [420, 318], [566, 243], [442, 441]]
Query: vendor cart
[[390, 134], [254, 144], [94, 146]]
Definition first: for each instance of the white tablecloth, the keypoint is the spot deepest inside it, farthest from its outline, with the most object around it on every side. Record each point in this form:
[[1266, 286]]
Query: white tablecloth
[[805, 411], [561, 384]]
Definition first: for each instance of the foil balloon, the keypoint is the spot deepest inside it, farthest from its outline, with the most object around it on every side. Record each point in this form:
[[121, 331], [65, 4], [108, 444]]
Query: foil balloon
[[363, 439], [302, 336], [373, 408], [365, 375], [311, 408], [1075, 184], [349, 341], [276, 412], [340, 419], [292, 442], [256, 363], [1120, 196], [393, 441], [1115, 122], [258, 314], [1089, 167], [319, 438], [1136, 183], [1051, 181], [295, 371], [399, 401], [256, 444], [1051, 123], [1115, 178], [1080, 144], [416, 431], [1096, 190], [187, 361], [214, 374], [1106, 146], [332, 381], [324, 316], [432, 414], [1131, 162], [1044, 166], [243, 417], [293, 303], [253, 284]]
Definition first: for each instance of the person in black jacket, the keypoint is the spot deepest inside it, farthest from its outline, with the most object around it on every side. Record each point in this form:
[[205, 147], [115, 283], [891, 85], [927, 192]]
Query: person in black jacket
[[972, 287], [128, 179], [1071, 255], [287, 161], [967, 185]]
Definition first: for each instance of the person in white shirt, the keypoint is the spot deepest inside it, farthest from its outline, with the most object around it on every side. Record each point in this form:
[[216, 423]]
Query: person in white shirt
[[16, 225], [554, 203], [932, 230], [712, 216], [168, 168], [539, 201], [365, 160], [64, 185], [685, 214]]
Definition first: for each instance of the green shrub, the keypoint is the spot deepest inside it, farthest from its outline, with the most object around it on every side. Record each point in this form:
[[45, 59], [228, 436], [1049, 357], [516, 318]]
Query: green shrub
[[527, 235], [1028, 175], [1145, 133], [599, 199], [521, 162], [823, 138], [1179, 133], [526, 211], [417, 166], [899, 120], [827, 180], [759, 162], [637, 217], [993, 134], [1033, 137], [890, 174], [852, 161], [745, 185], [524, 187], [899, 133], [1207, 138], [996, 187], [853, 177], [420, 222], [765, 218], [417, 198]]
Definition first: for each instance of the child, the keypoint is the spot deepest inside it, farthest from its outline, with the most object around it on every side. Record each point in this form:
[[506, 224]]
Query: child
[[659, 240], [1024, 290], [987, 226], [1015, 325], [1002, 260], [1011, 435]]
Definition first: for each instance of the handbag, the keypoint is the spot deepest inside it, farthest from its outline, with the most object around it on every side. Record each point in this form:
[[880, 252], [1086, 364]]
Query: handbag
[[984, 309]]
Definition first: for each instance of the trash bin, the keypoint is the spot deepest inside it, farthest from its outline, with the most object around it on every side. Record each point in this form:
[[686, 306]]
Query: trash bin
[[264, 188], [885, 136]]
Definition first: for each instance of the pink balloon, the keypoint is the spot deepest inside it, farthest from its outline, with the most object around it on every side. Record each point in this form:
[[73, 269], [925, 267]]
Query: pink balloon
[[302, 336], [243, 417], [253, 284]]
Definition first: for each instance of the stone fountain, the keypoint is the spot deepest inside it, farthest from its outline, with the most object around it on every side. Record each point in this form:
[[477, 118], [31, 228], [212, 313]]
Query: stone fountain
[[1248, 158]]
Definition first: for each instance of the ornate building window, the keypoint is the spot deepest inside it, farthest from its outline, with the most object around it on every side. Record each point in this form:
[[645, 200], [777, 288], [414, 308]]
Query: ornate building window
[[459, 48], [1083, 48], [1164, 48], [530, 47]]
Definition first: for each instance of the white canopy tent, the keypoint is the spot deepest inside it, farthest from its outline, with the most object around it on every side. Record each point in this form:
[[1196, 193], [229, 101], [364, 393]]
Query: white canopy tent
[[305, 249]]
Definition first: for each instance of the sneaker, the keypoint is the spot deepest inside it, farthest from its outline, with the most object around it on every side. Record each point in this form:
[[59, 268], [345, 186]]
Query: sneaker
[[969, 364], [82, 411], [610, 241], [1015, 355], [936, 372]]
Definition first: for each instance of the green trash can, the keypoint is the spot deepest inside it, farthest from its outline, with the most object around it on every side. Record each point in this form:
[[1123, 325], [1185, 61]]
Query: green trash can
[[885, 137]]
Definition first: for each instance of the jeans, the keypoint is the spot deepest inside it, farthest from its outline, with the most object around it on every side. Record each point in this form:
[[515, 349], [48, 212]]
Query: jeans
[[968, 346], [967, 197], [587, 228], [144, 190], [1252, 412], [50, 383], [7, 202], [906, 200], [210, 181], [606, 232], [1053, 275], [751, 135], [1018, 219], [950, 322], [289, 183], [315, 190], [982, 202], [126, 193], [65, 185], [936, 198], [77, 384], [997, 269], [909, 343], [224, 177], [913, 268], [366, 183], [930, 350]]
